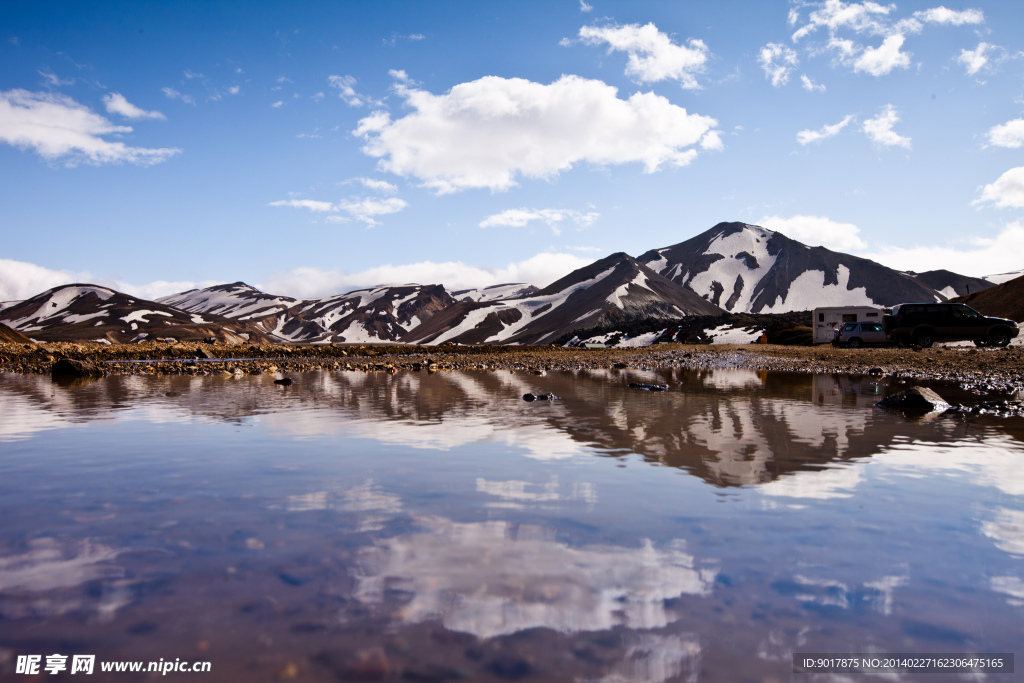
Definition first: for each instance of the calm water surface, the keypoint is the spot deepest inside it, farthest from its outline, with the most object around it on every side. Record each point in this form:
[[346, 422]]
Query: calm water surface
[[436, 527]]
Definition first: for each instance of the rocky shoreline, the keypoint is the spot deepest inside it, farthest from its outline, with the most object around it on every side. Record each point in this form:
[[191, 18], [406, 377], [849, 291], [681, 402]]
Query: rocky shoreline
[[993, 369]]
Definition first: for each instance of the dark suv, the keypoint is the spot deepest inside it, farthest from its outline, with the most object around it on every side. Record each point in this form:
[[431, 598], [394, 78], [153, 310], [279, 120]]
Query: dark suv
[[925, 324]]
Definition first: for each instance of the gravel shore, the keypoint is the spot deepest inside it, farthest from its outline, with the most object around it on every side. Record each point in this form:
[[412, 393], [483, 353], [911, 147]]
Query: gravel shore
[[1001, 369]]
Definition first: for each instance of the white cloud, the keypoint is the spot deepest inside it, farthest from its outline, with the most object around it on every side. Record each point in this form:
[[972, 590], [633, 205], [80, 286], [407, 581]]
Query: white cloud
[[374, 184], [277, 105], [809, 85], [20, 280], [486, 132], [518, 218], [778, 62], [364, 210], [1006, 192], [878, 61], [55, 126], [584, 7], [190, 74], [941, 15], [539, 270], [52, 79], [173, 94], [976, 59], [311, 204], [868, 18], [976, 256], [348, 93], [358, 208], [117, 104], [805, 137], [817, 231], [1009, 134], [879, 129], [234, 90], [652, 54]]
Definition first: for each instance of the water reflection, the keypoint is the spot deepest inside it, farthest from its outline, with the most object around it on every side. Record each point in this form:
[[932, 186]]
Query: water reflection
[[437, 527], [729, 427]]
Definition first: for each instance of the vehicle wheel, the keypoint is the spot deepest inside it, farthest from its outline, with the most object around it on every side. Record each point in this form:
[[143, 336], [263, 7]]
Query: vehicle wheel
[[854, 343], [924, 339], [999, 337]]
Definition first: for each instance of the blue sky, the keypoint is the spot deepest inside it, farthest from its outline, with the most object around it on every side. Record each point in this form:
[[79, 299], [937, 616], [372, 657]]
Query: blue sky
[[312, 148]]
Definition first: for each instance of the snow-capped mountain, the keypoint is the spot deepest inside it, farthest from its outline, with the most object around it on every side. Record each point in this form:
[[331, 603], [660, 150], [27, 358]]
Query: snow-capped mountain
[[88, 312], [1000, 278], [746, 268], [366, 315], [236, 300], [612, 289], [495, 292]]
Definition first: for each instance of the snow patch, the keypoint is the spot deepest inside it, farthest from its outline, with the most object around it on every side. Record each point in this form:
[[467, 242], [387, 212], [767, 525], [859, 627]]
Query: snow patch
[[724, 334], [808, 291]]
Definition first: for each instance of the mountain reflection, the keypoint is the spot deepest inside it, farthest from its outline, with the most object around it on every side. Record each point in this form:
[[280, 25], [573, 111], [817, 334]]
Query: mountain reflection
[[728, 427]]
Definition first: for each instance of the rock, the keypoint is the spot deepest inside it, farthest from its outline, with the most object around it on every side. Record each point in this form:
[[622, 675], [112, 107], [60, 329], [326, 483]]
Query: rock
[[203, 353], [877, 372], [620, 366], [529, 397], [648, 387], [285, 381], [916, 399], [66, 367]]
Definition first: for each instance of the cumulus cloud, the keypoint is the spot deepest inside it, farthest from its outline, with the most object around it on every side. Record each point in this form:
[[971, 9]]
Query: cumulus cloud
[[806, 137], [21, 280], [539, 270], [1009, 134], [809, 84], [778, 62], [942, 15], [652, 54], [976, 59], [485, 133], [1006, 192], [57, 127], [817, 231], [975, 256], [880, 60], [358, 208], [118, 104], [518, 218], [584, 7], [879, 129], [843, 21], [348, 93]]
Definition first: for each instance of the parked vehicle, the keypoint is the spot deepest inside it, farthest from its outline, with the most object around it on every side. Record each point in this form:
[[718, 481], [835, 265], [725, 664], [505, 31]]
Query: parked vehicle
[[856, 335], [825, 320], [925, 324]]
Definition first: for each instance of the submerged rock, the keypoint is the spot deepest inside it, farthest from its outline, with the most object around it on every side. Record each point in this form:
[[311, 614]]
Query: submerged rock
[[914, 398], [648, 387], [285, 382], [540, 397]]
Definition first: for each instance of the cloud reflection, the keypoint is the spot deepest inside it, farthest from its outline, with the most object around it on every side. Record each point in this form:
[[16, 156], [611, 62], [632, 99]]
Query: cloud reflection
[[496, 578]]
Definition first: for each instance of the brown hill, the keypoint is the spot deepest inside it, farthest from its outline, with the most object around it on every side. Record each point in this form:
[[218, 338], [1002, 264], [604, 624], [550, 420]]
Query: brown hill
[[1003, 301], [12, 336]]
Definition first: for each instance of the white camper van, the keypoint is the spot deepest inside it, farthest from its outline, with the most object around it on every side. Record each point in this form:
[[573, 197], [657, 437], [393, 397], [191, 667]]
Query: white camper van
[[827, 319]]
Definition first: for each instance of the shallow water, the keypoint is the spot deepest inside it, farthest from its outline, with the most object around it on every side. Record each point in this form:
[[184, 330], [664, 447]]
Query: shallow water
[[435, 527]]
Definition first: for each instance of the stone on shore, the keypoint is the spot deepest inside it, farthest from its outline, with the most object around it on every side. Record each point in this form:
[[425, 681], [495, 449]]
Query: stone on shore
[[915, 398], [67, 367]]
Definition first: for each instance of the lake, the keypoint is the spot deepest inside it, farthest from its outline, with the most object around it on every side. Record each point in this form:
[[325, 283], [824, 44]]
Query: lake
[[436, 527]]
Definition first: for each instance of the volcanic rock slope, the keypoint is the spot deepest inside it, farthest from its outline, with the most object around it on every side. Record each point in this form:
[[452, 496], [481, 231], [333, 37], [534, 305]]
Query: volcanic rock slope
[[365, 315], [746, 268], [82, 312], [614, 289]]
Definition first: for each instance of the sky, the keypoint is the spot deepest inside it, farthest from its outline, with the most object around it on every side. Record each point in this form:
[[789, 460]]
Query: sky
[[313, 148]]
